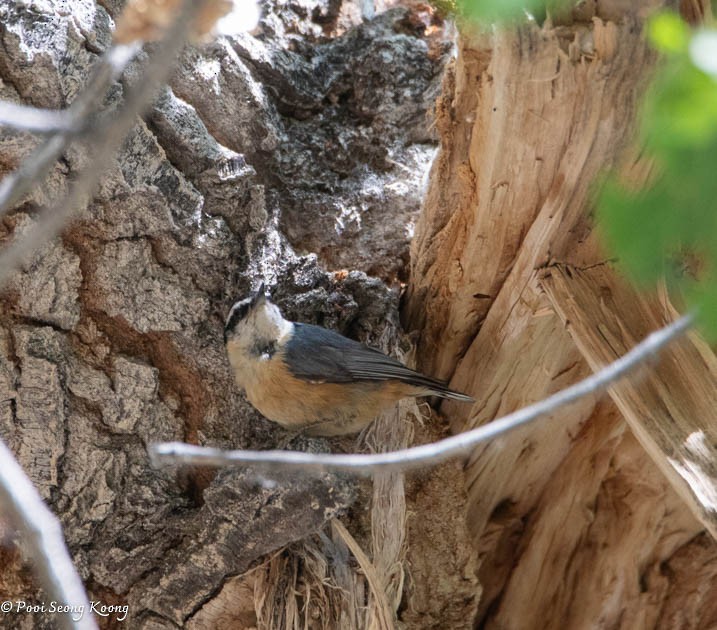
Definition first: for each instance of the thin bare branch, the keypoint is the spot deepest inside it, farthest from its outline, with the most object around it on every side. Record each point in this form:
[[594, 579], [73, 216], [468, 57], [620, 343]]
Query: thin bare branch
[[53, 220], [33, 169], [40, 529], [36, 119], [426, 454]]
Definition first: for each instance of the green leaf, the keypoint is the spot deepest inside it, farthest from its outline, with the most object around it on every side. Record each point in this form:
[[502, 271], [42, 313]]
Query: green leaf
[[490, 11], [626, 220], [703, 296], [668, 32], [680, 108]]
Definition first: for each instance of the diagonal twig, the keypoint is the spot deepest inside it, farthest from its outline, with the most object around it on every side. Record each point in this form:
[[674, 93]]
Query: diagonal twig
[[426, 454], [20, 501], [53, 220], [36, 119], [35, 167]]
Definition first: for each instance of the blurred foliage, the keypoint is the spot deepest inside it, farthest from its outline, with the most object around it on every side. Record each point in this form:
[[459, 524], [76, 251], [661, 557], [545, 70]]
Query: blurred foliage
[[495, 11], [492, 11], [669, 228]]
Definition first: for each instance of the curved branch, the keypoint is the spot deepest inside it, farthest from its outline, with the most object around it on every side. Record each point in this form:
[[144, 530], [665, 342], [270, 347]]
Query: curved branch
[[426, 454]]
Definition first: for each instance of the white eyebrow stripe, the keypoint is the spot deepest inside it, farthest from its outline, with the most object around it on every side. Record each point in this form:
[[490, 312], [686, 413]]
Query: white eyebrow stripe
[[235, 317]]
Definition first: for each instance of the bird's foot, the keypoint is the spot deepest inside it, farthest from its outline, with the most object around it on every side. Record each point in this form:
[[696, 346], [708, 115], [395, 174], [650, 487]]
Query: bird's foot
[[289, 436]]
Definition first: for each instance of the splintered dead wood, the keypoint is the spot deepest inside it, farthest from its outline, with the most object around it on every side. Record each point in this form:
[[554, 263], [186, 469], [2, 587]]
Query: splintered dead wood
[[594, 550], [672, 406], [527, 126]]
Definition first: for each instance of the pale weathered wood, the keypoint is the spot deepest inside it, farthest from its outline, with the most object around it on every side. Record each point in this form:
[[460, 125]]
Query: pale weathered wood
[[521, 352], [592, 547], [542, 358], [672, 408], [441, 589], [525, 130], [571, 519]]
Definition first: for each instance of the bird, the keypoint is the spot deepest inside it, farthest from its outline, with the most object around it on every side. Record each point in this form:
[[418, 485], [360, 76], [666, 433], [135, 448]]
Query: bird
[[313, 380]]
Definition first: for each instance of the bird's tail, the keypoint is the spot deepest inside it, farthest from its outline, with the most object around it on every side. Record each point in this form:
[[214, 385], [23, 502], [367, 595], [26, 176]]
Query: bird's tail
[[426, 385]]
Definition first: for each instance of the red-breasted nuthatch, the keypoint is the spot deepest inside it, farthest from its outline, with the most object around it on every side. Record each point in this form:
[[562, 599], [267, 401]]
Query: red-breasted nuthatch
[[307, 377]]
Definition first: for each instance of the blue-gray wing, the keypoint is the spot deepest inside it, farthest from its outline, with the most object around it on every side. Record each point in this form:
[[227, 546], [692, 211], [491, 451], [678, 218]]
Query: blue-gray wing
[[318, 354]]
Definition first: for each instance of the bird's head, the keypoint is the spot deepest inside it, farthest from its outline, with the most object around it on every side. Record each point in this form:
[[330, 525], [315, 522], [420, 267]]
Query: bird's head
[[254, 323]]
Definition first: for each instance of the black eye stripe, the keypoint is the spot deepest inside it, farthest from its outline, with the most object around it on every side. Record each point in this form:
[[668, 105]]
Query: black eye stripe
[[235, 317]]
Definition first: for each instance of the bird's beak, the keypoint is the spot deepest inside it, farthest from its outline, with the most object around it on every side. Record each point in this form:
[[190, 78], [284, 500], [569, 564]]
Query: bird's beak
[[259, 296]]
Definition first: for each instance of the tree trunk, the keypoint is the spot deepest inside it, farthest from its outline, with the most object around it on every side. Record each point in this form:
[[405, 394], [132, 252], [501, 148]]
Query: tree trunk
[[579, 520]]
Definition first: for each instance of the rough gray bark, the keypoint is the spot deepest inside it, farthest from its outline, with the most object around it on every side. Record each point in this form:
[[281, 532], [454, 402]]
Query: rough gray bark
[[305, 139]]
